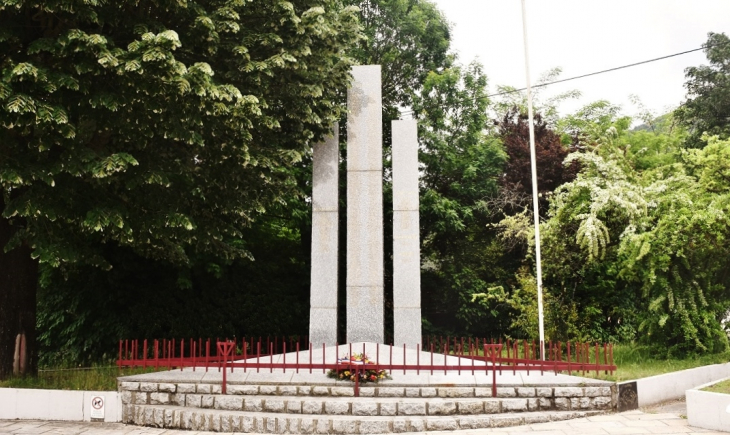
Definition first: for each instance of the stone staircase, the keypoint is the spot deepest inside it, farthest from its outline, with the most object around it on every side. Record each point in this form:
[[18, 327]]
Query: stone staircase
[[333, 409]]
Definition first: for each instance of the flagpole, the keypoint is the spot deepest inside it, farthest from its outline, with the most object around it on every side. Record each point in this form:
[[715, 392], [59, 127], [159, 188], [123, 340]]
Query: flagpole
[[533, 165]]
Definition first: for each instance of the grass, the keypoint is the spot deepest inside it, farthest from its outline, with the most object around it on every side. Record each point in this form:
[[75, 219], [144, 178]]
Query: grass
[[100, 378], [636, 362], [720, 387]]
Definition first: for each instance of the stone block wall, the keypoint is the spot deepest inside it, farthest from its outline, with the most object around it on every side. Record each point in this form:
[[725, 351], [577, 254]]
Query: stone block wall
[[382, 401]]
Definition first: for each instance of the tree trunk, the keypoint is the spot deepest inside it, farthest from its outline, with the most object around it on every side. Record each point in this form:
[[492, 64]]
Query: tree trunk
[[18, 285]]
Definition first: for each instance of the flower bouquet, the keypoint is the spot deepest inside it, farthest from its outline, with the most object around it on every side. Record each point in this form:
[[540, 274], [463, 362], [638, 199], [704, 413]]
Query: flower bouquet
[[365, 374]]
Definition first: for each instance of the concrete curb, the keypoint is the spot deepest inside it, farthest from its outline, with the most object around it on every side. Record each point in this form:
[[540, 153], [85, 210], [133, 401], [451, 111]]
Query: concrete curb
[[662, 388], [708, 410], [30, 404]]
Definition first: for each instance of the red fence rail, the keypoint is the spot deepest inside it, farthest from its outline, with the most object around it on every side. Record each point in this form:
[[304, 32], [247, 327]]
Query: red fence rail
[[472, 355]]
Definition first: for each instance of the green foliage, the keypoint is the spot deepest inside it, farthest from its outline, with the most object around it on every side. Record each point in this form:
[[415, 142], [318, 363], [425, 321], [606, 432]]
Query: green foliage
[[650, 150], [139, 298], [519, 304], [708, 91], [409, 38], [461, 165], [524, 302], [161, 132], [659, 233], [164, 127], [460, 162], [601, 194], [596, 123]]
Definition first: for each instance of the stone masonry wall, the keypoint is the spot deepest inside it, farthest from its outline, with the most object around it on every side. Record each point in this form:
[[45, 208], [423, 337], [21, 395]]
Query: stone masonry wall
[[387, 401]]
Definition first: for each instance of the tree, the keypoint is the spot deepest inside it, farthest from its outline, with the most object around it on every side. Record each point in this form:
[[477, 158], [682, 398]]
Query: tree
[[285, 227], [79, 324], [460, 168], [707, 109], [409, 38], [514, 130], [593, 125], [654, 237], [166, 128]]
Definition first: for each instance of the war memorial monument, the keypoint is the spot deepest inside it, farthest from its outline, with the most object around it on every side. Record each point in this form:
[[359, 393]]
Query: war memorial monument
[[364, 280]]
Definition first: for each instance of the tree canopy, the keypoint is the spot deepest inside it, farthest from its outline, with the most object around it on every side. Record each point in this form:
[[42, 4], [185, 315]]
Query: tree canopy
[[461, 165], [162, 127], [658, 234], [708, 91], [409, 38], [165, 128]]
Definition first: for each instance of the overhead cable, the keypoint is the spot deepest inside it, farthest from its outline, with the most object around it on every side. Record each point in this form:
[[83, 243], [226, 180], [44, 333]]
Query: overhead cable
[[593, 73], [603, 71]]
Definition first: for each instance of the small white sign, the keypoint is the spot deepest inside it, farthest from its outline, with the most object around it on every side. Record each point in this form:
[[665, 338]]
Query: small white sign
[[97, 407]]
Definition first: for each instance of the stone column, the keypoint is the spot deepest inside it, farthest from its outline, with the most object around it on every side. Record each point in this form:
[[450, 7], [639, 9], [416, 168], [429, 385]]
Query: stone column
[[325, 201], [406, 236], [365, 311]]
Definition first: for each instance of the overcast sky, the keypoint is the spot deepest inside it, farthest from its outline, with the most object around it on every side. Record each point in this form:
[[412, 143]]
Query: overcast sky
[[584, 36]]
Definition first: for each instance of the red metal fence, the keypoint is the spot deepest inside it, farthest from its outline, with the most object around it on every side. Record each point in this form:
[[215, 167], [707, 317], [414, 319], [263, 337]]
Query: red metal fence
[[473, 355]]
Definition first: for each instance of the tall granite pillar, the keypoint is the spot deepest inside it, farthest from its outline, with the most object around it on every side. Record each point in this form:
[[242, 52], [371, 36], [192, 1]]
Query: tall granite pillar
[[365, 305], [406, 236], [325, 201]]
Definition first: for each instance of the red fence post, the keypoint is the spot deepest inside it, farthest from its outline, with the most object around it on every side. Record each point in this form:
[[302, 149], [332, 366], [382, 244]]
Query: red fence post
[[528, 359], [207, 354], [224, 349], [357, 379], [490, 353]]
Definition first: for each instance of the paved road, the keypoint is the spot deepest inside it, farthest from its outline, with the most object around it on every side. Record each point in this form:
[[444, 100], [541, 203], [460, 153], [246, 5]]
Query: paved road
[[632, 422]]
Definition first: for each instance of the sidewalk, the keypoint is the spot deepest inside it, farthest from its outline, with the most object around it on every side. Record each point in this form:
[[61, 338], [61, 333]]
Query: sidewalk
[[632, 422]]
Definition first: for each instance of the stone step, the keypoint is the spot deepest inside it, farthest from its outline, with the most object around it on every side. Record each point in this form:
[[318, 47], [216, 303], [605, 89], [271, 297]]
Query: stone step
[[342, 389], [377, 406], [384, 401], [175, 417]]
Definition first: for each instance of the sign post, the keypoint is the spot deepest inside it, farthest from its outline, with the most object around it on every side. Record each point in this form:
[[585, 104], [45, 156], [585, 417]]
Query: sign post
[[97, 408]]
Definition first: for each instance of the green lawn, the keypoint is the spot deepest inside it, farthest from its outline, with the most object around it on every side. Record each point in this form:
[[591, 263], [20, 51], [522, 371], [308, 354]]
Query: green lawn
[[84, 379], [635, 362], [720, 387]]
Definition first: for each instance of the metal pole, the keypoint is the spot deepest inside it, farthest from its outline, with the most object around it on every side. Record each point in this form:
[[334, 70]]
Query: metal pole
[[533, 164]]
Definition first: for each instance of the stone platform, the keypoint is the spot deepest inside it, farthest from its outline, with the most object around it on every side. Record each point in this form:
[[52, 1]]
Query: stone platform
[[289, 402]]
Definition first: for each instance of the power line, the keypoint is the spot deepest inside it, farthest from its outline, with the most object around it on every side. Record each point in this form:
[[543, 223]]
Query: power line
[[593, 73], [601, 72]]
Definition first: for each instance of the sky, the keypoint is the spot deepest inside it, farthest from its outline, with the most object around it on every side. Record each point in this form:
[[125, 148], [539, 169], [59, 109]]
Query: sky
[[585, 36]]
